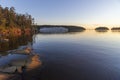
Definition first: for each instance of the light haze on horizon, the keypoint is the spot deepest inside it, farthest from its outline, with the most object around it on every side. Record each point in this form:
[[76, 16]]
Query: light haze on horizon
[[69, 12]]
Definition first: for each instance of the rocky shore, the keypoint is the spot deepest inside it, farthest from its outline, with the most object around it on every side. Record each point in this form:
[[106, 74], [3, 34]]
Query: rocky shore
[[25, 65]]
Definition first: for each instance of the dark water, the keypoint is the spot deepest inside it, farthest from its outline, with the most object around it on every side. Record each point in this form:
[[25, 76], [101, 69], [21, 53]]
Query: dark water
[[88, 55]]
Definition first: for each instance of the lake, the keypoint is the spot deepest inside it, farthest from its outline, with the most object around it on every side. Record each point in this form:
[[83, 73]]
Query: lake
[[88, 55]]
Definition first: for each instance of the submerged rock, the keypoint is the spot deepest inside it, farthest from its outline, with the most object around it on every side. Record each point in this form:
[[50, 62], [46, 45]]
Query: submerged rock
[[14, 63], [11, 69]]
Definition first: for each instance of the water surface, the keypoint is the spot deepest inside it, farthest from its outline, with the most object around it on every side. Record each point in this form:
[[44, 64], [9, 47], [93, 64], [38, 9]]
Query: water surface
[[87, 55]]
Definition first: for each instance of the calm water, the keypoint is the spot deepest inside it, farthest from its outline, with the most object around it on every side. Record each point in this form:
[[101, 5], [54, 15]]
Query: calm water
[[88, 55]]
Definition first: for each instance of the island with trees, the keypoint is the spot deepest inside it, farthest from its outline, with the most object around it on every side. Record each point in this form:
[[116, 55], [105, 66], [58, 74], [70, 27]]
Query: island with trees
[[115, 29], [59, 28], [101, 29]]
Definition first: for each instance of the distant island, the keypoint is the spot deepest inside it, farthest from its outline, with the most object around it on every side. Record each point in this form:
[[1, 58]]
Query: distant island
[[59, 28], [115, 28], [101, 29]]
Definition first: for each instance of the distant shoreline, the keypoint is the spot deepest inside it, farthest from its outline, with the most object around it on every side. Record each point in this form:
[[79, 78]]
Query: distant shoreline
[[70, 28]]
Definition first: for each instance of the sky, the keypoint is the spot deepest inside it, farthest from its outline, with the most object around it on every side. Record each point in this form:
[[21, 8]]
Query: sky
[[69, 12]]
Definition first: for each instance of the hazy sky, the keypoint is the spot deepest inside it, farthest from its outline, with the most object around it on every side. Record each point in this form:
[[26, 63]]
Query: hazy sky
[[73, 12]]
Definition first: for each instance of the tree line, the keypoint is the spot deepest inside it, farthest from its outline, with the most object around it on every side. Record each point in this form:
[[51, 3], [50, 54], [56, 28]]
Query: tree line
[[10, 19]]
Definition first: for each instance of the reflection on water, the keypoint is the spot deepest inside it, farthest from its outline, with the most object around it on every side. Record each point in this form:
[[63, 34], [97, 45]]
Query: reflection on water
[[13, 42], [115, 30], [101, 31]]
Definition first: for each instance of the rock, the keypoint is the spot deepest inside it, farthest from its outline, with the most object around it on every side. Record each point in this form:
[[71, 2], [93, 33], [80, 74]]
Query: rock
[[8, 69], [5, 76]]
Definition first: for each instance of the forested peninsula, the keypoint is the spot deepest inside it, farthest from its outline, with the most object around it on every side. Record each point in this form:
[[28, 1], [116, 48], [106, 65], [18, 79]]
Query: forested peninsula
[[14, 23]]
